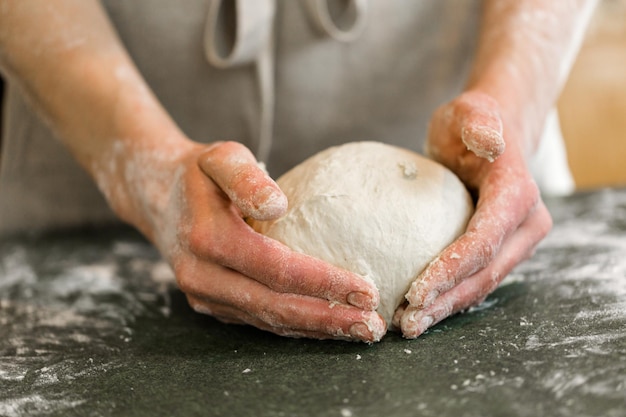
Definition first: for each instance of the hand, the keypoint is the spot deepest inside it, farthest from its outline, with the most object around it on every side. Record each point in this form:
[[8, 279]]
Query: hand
[[231, 272], [510, 218]]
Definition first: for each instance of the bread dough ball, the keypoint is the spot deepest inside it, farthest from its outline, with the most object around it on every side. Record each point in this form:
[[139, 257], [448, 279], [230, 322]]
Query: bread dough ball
[[377, 210]]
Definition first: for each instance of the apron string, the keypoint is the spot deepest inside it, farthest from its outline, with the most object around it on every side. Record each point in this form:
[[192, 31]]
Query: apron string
[[240, 32], [344, 28], [248, 39], [235, 40]]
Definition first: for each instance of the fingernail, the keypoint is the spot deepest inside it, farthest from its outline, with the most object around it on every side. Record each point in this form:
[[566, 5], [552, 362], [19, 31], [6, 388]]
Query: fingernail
[[361, 300], [360, 331], [273, 204]]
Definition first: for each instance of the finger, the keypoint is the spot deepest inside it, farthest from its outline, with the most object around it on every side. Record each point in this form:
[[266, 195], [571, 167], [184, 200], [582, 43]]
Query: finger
[[502, 207], [235, 170], [397, 316], [239, 247], [249, 301], [481, 125], [414, 321], [231, 315], [221, 237]]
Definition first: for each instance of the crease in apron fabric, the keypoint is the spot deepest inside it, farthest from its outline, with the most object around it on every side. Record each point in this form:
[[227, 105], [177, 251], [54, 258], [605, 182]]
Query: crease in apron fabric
[[240, 33]]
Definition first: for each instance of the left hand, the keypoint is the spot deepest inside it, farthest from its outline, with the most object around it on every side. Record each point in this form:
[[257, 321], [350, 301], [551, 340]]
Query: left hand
[[510, 218]]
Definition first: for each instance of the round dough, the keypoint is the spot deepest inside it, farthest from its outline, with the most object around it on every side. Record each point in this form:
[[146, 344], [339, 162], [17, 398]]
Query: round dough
[[374, 209]]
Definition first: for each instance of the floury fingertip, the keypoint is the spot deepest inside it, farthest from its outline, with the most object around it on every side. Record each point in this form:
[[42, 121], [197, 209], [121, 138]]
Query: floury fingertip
[[485, 142]]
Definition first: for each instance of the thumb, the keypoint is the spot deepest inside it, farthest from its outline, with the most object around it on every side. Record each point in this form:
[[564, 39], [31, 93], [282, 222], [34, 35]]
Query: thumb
[[481, 125], [235, 170]]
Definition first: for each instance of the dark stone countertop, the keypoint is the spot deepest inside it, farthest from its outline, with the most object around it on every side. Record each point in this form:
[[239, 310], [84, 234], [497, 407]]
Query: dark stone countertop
[[91, 325]]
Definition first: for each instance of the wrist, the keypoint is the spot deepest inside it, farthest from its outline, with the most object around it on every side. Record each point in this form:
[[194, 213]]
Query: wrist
[[136, 175]]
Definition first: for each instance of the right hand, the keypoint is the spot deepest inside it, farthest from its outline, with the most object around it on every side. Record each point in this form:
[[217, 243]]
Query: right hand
[[466, 135], [237, 275]]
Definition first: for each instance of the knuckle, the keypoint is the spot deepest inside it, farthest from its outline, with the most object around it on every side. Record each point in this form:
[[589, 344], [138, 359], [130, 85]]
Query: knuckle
[[204, 243], [184, 278], [545, 222], [280, 283], [533, 193], [282, 280], [485, 250], [525, 193], [273, 316], [197, 240], [492, 283], [198, 307], [191, 277]]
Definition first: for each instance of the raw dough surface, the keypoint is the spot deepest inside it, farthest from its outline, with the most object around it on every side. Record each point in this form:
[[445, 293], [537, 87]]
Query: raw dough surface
[[374, 209]]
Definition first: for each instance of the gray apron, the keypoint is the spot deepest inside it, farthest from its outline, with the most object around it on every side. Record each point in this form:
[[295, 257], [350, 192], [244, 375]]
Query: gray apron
[[287, 78]]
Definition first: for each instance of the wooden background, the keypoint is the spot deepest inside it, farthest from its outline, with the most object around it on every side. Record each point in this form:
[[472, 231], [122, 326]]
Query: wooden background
[[592, 106]]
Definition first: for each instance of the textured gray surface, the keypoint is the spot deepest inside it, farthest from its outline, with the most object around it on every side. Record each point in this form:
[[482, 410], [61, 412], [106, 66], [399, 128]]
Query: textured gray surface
[[92, 325]]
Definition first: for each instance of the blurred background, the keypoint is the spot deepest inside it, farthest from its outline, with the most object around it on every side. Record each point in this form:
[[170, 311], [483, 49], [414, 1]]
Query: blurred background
[[592, 106]]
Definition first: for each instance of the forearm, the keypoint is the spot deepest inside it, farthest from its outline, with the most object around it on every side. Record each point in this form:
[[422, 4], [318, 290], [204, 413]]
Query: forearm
[[525, 51], [69, 63]]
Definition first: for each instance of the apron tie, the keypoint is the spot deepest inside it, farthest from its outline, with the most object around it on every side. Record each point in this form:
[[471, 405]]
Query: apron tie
[[344, 22], [240, 32]]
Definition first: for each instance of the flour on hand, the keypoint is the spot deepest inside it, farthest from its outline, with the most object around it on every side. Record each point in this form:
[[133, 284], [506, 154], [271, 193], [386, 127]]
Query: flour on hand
[[377, 210]]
